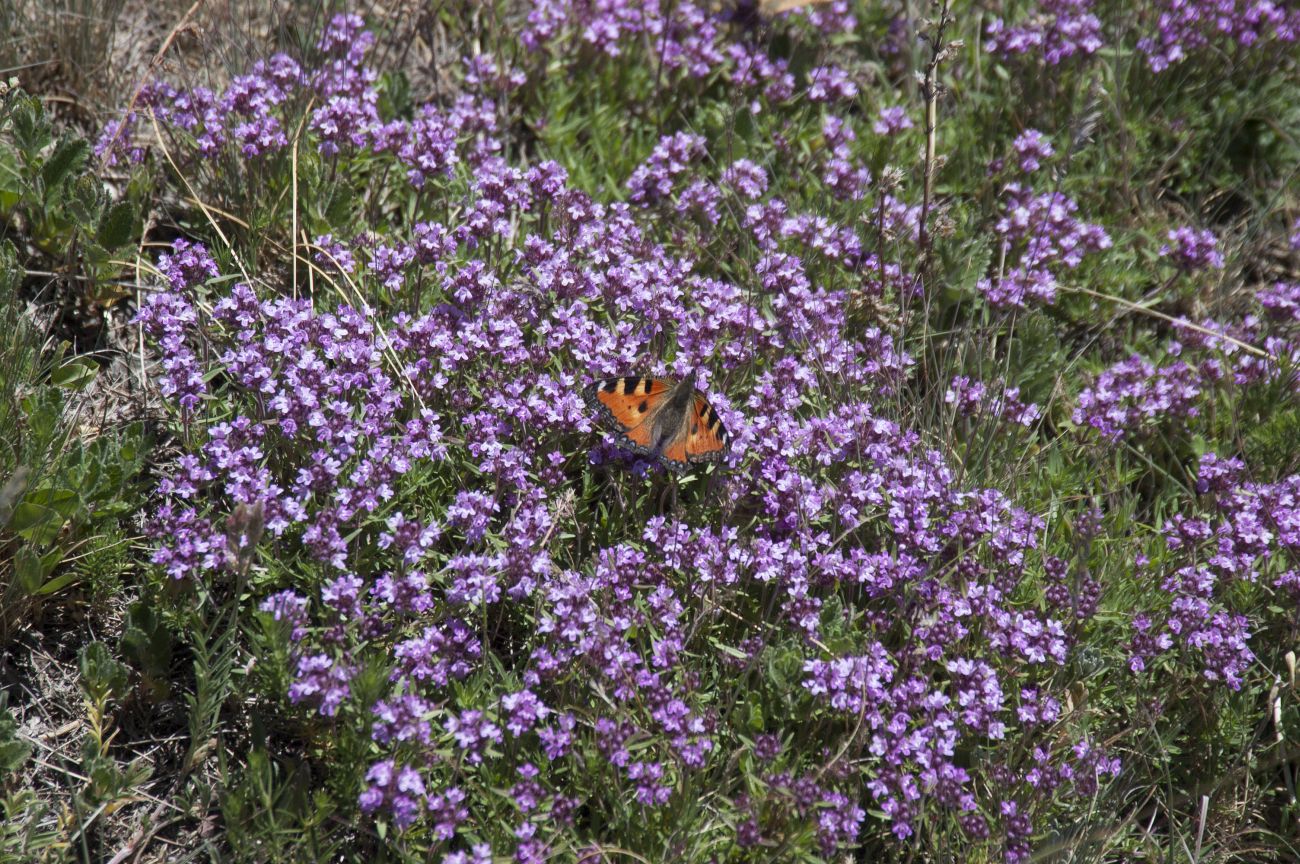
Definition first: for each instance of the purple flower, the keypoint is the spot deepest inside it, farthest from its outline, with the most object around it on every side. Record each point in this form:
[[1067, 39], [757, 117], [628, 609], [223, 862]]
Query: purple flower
[[1057, 31], [651, 787], [447, 811], [672, 156], [828, 18], [971, 398], [851, 683], [473, 734], [761, 75], [389, 264], [333, 255], [1134, 394], [1186, 27], [188, 544], [344, 34], [557, 739], [702, 198], [483, 73], [170, 319], [259, 136], [523, 711], [747, 178], [399, 790], [527, 793], [830, 84], [320, 682], [441, 654], [1032, 146], [1047, 236], [481, 854], [1209, 553], [839, 820], [187, 266], [1281, 302], [471, 512], [290, 607], [965, 395], [403, 718], [767, 747], [116, 141], [892, 121], [1192, 250]]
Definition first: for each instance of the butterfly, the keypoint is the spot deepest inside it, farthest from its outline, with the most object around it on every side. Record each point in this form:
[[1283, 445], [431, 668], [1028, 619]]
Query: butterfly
[[660, 418]]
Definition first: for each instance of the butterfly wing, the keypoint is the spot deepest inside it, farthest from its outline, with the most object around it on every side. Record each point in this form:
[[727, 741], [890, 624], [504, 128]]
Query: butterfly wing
[[701, 438], [708, 438], [628, 406]]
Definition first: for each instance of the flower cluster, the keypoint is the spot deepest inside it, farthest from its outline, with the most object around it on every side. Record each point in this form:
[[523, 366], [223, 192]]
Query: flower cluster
[[972, 398], [830, 84], [1040, 232], [671, 158], [1135, 394], [1186, 27], [1032, 147], [168, 316], [1281, 302], [1191, 250], [433, 468], [116, 142], [1056, 31], [399, 790], [892, 121], [1250, 527]]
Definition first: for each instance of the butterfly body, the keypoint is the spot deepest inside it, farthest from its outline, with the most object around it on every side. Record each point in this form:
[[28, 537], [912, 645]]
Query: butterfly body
[[660, 418]]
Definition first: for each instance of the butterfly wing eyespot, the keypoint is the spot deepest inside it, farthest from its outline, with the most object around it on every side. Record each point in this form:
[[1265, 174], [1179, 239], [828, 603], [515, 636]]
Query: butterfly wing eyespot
[[626, 404]]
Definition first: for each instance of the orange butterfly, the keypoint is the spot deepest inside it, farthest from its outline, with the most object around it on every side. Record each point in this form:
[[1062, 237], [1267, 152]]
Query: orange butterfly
[[659, 418]]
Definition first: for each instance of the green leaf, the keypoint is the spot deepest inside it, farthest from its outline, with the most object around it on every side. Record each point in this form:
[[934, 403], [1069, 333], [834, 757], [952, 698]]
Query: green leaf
[[13, 182], [86, 200], [69, 156], [63, 501], [31, 570], [75, 374], [754, 715], [13, 751], [31, 130], [101, 673], [28, 573], [59, 582], [12, 756], [970, 268], [146, 641], [94, 257], [118, 225], [35, 523]]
